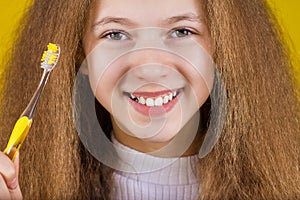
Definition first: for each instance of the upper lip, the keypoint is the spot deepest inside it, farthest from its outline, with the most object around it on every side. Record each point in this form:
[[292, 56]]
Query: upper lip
[[154, 94]]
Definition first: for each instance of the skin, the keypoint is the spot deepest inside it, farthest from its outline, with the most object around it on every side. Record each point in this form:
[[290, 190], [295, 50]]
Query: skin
[[130, 73], [9, 185]]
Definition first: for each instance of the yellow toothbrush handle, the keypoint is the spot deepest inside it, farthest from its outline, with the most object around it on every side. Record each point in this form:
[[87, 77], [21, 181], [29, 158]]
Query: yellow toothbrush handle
[[17, 136]]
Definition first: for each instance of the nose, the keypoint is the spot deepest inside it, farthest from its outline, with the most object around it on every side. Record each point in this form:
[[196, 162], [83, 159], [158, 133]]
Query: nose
[[151, 72], [150, 65]]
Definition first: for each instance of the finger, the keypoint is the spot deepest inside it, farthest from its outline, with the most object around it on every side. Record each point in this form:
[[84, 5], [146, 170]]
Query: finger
[[4, 192], [15, 182], [16, 164], [16, 193], [8, 171]]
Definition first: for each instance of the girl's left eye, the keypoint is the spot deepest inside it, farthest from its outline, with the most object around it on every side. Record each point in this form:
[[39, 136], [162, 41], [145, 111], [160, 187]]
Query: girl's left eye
[[182, 32]]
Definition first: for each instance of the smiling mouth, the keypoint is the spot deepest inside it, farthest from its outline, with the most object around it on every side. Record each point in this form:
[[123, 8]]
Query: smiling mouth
[[154, 103]]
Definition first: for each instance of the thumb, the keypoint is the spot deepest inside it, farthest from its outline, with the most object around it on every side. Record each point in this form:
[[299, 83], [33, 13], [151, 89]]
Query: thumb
[[16, 163], [13, 181], [14, 188]]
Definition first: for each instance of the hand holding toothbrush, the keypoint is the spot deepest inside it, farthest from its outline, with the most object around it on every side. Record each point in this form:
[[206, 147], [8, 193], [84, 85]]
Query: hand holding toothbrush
[[9, 159], [22, 126]]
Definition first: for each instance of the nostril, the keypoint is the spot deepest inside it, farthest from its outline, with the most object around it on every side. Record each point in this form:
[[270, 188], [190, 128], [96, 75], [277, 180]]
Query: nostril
[[151, 72]]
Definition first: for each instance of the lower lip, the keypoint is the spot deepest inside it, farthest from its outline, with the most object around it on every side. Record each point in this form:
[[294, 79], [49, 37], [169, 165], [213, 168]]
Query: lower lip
[[154, 110]]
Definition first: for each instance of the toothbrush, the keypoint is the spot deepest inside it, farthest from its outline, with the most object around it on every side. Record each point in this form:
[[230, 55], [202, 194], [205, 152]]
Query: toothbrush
[[23, 124]]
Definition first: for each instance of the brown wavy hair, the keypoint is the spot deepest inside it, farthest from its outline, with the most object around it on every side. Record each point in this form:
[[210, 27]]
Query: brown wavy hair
[[257, 155]]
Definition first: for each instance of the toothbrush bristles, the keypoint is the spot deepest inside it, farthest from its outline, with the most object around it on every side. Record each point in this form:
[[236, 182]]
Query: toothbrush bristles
[[50, 57], [52, 47]]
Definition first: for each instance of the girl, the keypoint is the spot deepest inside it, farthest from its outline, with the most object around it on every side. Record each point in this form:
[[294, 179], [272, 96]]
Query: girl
[[257, 154]]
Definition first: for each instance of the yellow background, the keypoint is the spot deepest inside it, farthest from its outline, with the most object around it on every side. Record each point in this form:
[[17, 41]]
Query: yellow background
[[287, 11]]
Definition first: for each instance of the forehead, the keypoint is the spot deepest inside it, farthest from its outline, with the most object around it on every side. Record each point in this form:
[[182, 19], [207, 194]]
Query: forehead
[[145, 11]]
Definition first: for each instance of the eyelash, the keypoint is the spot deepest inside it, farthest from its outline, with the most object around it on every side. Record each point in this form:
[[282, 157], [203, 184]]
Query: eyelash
[[178, 30], [109, 34]]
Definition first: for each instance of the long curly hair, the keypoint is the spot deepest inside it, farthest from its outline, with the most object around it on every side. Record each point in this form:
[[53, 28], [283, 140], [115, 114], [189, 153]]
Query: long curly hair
[[257, 155]]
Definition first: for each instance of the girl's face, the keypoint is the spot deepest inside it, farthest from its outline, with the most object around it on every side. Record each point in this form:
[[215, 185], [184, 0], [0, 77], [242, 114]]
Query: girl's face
[[149, 64]]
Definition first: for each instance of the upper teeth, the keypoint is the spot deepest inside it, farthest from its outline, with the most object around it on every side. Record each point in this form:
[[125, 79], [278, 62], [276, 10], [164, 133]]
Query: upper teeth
[[154, 101]]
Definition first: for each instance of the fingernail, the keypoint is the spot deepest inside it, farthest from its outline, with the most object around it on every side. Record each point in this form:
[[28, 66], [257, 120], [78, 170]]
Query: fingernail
[[13, 184]]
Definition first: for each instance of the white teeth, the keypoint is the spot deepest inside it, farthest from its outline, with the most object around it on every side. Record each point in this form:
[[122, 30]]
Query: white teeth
[[170, 97], [166, 99], [150, 102], [159, 101], [142, 100]]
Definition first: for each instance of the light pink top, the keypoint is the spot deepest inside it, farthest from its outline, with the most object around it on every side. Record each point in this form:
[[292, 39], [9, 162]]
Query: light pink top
[[175, 180]]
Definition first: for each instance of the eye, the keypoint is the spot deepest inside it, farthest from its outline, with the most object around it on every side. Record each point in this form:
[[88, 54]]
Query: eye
[[115, 35], [181, 32]]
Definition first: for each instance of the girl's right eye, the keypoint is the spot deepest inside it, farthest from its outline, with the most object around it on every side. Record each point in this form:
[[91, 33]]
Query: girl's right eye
[[115, 35]]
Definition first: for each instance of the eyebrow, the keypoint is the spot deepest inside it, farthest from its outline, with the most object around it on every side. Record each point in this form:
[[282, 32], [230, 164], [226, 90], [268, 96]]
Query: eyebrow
[[127, 22], [185, 17], [118, 20]]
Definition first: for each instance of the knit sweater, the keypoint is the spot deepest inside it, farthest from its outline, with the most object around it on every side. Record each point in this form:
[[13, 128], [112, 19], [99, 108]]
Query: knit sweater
[[155, 177]]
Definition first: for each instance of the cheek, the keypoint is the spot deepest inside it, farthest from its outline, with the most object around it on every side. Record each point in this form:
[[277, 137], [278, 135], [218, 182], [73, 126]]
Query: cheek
[[103, 98], [202, 85], [104, 71], [199, 78], [202, 92], [198, 68], [106, 80], [104, 65], [106, 87]]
